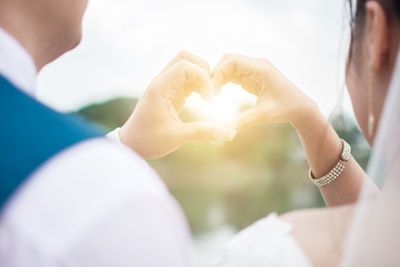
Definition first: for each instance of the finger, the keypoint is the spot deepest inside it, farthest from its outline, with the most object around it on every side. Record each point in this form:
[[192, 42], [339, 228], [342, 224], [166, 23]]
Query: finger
[[202, 131], [247, 119], [185, 76], [219, 80], [241, 70], [186, 55]]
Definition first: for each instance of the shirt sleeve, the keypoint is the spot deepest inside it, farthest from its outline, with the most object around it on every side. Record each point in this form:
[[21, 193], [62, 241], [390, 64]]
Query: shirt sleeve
[[114, 136], [140, 232]]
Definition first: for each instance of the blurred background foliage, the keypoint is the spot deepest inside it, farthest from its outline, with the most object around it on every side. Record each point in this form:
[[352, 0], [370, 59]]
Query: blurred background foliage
[[263, 170]]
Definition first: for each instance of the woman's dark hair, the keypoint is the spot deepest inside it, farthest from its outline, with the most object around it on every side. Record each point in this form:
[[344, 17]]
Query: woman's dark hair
[[358, 12]]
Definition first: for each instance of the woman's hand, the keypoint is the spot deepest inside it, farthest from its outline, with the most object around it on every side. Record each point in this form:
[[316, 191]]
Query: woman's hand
[[278, 99], [155, 129]]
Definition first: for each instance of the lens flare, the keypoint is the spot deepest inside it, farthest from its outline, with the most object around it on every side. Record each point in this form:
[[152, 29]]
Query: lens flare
[[221, 109]]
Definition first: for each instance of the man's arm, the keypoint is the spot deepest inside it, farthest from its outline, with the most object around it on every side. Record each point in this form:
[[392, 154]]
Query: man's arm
[[141, 231], [94, 204]]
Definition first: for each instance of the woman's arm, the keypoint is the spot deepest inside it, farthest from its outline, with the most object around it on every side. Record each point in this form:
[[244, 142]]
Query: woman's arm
[[281, 101], [323, 148]]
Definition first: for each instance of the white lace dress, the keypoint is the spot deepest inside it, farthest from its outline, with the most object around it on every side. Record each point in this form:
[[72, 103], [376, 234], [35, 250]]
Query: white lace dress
[[268, 242]]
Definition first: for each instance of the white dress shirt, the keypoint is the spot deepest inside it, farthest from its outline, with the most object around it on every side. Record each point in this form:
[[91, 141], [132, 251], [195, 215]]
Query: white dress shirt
[[96, 203]]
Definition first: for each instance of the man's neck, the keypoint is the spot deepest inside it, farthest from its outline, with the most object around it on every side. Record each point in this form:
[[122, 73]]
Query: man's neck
[[21, 26]]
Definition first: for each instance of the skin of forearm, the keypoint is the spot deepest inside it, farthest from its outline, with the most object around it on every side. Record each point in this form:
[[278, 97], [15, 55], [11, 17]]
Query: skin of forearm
[[323, 148]]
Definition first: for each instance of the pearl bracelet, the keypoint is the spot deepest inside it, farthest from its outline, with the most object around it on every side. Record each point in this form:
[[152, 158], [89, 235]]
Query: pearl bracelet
[[337, 170]]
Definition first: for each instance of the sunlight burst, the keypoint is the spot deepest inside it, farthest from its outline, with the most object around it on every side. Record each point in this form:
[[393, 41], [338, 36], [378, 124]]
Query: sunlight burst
[[221, 109]]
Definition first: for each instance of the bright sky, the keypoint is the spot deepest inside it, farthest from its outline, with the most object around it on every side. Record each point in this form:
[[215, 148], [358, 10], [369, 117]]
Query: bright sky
[[127, 42]]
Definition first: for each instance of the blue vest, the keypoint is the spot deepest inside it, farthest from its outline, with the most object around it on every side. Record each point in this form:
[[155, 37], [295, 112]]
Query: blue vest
[[30, 134]]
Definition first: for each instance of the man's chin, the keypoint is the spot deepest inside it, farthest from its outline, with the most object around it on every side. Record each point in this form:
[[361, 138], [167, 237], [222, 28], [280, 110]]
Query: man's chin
[[69, 45], [76, 41]]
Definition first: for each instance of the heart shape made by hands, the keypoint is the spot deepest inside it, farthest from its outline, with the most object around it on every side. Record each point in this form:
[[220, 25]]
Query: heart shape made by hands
[[221, 109]]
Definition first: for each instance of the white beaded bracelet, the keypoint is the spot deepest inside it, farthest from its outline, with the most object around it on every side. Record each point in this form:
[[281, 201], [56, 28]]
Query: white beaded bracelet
[[337, 170]]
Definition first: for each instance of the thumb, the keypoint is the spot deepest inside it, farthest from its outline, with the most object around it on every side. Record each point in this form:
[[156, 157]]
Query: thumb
[[202, 131], [247, 119]]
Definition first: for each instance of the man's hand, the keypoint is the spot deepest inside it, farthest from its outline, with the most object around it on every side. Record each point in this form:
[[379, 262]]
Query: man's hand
[[155, 129]]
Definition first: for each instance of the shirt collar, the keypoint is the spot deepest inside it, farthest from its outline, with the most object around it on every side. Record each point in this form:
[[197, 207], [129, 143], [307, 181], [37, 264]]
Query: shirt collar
[[16, 65]]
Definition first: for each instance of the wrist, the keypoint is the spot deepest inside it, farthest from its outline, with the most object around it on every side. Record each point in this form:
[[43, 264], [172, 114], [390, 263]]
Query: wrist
[[125, 137], [306, 116]]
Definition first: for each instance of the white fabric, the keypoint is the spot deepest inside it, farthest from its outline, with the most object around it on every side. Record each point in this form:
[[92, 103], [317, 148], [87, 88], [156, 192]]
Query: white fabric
[[268, 242], [94, 204], [374, 238], [16, 64]]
